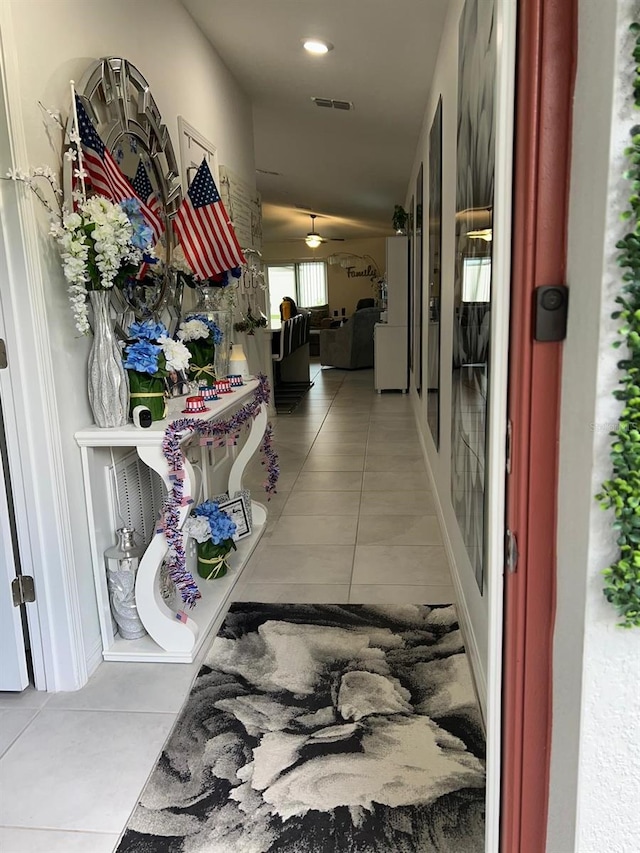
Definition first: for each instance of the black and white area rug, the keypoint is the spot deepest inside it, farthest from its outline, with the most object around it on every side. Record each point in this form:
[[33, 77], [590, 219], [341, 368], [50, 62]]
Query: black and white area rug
[[323, 729]]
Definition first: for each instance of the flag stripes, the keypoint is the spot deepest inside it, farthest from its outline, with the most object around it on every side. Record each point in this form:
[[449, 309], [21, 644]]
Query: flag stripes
[[207, 237], [104, 173]]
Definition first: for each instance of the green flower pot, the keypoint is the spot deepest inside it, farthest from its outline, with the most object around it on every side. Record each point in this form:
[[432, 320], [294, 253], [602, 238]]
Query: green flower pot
[[201, 367], [212, 562], [147, 391]]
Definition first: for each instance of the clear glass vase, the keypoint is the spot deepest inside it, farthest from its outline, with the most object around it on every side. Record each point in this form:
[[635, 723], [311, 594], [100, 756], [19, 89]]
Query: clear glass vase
[[108, 385], [213, 302]]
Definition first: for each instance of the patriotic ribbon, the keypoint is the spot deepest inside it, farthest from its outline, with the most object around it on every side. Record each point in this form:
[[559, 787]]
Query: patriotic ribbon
[[208, 430]]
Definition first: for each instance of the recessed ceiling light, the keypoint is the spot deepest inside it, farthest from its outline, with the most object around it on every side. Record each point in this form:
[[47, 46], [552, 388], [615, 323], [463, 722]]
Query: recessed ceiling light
[[317, 46]]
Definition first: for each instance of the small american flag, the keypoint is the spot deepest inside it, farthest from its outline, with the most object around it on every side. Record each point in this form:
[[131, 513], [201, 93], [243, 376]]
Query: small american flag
[[205, 233], [103, 171], [145, 192]]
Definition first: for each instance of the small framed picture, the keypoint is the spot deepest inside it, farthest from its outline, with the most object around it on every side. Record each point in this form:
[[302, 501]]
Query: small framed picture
[[176, 383], [236, 508]]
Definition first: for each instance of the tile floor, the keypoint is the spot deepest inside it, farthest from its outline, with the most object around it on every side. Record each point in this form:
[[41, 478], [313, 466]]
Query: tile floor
[[353, 521]]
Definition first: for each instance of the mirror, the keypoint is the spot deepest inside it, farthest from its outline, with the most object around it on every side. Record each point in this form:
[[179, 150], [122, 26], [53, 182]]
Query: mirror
[[118, 101], [418, 295], [471, 368], [435, 254]]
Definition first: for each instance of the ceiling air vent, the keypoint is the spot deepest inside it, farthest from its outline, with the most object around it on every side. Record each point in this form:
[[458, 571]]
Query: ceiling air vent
[[336, 105]]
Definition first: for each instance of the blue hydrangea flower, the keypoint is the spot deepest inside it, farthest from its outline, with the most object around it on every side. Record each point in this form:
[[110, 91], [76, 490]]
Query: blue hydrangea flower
[[131, 207], [221, 525], [142, 357], [142, 235], [147, 330], [214, 330], [236, 272]]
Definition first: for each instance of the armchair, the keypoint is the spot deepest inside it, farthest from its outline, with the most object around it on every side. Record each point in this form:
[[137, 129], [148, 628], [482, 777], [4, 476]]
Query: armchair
[[351, 346]]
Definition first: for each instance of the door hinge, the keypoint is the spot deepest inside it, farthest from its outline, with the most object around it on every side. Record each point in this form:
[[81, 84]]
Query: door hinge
[[510, 551], [22, 590], [509, 444], [3, 355]]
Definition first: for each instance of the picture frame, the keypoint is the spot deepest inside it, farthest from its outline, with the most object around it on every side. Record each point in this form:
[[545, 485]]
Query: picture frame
[[236, 509], [176, 383]]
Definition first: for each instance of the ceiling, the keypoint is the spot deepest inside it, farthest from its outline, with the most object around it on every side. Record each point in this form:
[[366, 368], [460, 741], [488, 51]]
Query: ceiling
[[349, 168]]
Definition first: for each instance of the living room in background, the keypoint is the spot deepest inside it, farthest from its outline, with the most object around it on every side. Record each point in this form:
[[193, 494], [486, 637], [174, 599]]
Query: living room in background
[[304, 281]]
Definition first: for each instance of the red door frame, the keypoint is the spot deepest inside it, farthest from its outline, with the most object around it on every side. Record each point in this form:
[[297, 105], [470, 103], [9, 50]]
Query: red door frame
[[545, 68]]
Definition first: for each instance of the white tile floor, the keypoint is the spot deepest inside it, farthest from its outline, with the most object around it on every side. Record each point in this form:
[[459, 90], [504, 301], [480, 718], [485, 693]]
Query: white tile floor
[[353, 521]]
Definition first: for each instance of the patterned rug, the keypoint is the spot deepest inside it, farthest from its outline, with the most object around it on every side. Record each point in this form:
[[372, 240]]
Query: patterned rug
[[323, 729]]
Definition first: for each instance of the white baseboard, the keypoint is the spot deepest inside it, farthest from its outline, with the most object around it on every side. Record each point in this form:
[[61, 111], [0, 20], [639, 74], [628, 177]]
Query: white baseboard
[[94, 657]]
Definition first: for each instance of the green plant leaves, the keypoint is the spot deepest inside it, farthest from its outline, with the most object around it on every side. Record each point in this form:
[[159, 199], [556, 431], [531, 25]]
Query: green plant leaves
[[621, 493]]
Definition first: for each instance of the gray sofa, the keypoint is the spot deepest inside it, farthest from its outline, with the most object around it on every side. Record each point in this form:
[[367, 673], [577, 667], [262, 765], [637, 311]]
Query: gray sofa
[[351, 346]]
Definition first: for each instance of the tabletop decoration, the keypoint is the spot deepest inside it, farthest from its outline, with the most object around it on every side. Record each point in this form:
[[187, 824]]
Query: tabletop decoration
[[213, 530], [149, 358], [208, 432], [200, 334], [103, 242]]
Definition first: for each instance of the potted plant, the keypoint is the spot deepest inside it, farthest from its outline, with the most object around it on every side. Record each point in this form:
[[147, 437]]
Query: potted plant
[[399, 219], [149, 358], [213, 530]]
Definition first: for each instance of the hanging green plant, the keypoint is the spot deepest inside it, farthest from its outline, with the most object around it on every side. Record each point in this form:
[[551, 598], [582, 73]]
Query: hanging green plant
[[622, 492]]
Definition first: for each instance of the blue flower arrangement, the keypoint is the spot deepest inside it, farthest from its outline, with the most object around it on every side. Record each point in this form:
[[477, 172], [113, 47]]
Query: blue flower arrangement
[[220, 525], [142, 235], [149, 358], [213, 530], [215, 332]]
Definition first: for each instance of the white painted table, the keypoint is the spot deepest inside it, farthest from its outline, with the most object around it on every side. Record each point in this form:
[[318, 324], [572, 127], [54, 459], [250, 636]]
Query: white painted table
[[168, 639]]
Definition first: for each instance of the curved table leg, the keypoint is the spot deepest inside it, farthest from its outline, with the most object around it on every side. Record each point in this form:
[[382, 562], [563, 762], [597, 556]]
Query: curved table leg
[[161, 623], [242, 459]]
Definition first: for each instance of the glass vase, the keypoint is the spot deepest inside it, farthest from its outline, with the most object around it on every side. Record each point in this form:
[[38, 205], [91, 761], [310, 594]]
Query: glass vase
[[212, 559], [213, 302], [107, 379], [148, 391], [122, 560]]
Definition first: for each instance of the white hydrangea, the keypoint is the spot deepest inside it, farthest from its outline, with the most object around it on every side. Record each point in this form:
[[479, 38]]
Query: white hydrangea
[[175, 352], [198, 528], [192, 330]]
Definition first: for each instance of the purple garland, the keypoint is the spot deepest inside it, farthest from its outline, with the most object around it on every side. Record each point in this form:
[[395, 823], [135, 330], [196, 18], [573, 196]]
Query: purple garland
[[210, 432]]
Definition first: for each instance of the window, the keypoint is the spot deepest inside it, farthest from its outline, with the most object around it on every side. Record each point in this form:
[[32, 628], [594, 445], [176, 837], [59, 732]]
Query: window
[[305, 282], [476, 280]]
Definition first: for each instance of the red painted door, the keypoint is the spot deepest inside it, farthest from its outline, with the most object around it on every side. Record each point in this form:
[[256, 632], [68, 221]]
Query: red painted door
[[544, 86]]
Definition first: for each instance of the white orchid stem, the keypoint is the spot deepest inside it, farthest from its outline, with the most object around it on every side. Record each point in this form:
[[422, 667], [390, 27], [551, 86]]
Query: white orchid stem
[[78, 144]]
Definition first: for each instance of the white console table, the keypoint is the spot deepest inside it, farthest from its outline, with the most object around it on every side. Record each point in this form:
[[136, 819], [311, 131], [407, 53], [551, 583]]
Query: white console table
[[169, 638]]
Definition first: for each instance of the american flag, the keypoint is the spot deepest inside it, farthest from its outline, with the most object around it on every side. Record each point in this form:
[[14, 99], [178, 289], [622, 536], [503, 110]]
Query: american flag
[[103, 171], [146, 193], [205, 233]]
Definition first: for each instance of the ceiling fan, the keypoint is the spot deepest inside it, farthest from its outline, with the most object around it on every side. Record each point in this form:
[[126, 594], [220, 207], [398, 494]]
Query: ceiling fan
[[313, 239]]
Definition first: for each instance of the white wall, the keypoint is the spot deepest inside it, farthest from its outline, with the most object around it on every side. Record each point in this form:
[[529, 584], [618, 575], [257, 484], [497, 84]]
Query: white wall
[[595, 783], [55, 41]]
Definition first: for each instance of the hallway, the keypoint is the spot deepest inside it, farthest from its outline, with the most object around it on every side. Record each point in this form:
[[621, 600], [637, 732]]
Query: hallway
[[353, 521]]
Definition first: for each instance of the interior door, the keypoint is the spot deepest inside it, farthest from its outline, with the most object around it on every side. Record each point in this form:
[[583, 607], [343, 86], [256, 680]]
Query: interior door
[[547, 43], [13, 658]]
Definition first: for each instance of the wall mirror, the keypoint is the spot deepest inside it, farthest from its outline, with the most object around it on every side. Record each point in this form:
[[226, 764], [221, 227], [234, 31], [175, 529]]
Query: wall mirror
[[435, 253], [119, 102], [418, 311], [471, 369]]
